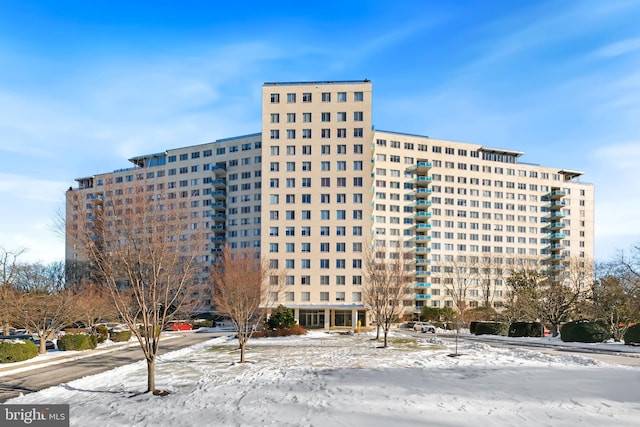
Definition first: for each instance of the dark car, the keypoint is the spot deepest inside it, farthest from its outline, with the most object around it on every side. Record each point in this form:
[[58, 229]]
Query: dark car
[[50, 344]]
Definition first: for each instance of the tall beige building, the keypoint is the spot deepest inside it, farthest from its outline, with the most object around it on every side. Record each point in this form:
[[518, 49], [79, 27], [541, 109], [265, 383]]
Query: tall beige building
[[319, 184]]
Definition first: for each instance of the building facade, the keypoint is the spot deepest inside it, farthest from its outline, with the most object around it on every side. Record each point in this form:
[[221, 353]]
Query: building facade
[[319, 185]]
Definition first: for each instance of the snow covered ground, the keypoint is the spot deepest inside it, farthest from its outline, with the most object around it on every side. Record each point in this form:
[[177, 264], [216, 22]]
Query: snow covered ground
[[345, 380]]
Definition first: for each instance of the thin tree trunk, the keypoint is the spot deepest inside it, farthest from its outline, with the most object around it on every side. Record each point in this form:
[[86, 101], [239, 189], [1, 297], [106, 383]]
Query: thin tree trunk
[[151, 375], [385, 339], [242, 344], [377, 331]]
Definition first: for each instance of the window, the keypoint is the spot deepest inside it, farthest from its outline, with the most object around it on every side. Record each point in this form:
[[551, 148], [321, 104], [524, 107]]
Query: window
[[342, 116], [275, 118], [358, 96], [275, 98], [306, 117], [291, 97], [357, 116], [326, 96], [326, 117], [306, 97], [342, 96]]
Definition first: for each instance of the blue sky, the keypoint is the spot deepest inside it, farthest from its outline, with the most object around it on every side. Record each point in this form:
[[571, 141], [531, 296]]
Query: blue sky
[[86, 85]]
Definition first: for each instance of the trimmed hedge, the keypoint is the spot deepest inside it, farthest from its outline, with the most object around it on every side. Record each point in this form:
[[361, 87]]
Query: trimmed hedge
[[121, 336], [525, 329], [632, 336], [17, 350], [102, 332], [584, 331], [491, 328], [280, 332], [77, 342]]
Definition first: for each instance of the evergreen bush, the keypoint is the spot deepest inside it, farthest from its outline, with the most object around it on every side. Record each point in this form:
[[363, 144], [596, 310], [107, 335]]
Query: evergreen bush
[[280, 332], [584, 331], [17, 350], [632, 336], [102, 333], [282, 318], [491, 328], [79, 342], [525, 329], [121, 336]]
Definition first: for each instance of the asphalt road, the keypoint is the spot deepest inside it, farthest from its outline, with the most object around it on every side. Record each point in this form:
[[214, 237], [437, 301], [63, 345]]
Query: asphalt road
[[36, 379]]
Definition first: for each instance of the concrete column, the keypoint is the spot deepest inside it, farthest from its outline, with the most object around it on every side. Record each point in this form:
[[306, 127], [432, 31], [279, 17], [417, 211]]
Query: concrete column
[[327, 318]]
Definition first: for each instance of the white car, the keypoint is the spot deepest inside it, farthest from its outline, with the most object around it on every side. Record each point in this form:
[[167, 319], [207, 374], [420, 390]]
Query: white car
[[424, 327]]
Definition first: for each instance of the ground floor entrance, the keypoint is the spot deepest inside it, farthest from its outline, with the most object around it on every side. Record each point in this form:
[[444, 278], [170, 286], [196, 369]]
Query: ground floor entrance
[[328, 318]]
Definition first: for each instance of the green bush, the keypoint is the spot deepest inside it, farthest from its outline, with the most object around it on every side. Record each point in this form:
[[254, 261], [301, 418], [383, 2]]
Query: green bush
[[17, 350], [632, 336], [584, 331], [121, 336], [77, 342], [491, 328], [102, 333], [472, 327], [282, 318], [525, 329]]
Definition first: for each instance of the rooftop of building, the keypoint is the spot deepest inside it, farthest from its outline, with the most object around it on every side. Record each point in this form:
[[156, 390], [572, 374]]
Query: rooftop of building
[[319, 82]]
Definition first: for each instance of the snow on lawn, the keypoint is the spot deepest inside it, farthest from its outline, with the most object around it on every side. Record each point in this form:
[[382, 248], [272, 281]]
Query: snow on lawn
[[345, 380]]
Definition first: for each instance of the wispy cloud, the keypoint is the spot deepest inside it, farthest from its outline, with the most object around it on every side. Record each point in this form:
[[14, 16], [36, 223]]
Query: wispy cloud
[[27, 187], [619, 48]]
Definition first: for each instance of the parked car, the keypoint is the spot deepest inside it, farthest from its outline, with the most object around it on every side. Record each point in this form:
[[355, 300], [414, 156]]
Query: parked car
[[177, 325], [50, 344], [424, 327]]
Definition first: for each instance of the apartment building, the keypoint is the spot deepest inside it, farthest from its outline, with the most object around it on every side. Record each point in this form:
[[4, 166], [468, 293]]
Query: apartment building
[[319, 184]]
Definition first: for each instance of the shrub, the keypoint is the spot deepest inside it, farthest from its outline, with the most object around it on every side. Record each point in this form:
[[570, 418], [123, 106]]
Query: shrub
[[472, 327], [584, 331], [77, 342], [121, 336], [157, 329], [17, 350], [491, 328], [282, 318], [632, 336], [525, 329], [280, 332], [102, 333]]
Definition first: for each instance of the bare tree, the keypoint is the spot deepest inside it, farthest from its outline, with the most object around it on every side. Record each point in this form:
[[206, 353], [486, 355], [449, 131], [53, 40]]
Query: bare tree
[[42, 303], [388, 279], [9, 270], [536, 296], [244, 288], [94, 303], [144, 251]]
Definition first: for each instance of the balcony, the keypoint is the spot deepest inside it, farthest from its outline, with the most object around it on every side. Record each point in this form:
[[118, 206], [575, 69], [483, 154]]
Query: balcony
[[422, 216], [554, 216], [219, 195], [219, 170], [554, 247], [217, 239], [422, 250], [423, 296], [220, 183], [422, 261], [422, 181], [421, 204], [422, 238], [555, 195], [422, 273], [423, 285], [219, 206], [555, 205], [422, 227], [556, 236], [422, 193], [421, 167]]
